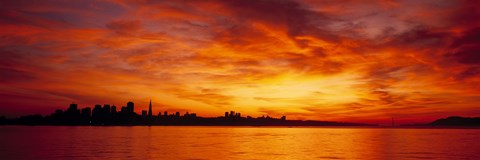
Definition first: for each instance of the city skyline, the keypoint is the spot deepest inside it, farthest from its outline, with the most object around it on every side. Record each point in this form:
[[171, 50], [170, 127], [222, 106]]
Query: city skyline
[[357, 61], [108, 115], [129, 109]]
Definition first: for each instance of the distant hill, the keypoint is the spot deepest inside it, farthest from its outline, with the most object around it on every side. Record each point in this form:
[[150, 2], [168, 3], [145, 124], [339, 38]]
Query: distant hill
[[457, 121]]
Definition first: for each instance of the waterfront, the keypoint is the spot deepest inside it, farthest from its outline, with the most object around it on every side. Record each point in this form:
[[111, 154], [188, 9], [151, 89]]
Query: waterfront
[[160, 142]]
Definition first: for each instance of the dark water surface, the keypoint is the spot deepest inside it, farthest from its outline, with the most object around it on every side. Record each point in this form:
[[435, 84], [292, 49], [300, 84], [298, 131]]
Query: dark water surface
[[50, 142]]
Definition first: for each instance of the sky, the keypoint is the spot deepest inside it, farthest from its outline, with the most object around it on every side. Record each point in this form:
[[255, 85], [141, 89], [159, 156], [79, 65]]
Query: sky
[[353, 60]]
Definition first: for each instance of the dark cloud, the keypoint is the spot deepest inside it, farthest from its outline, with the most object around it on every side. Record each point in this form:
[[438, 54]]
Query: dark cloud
[[466, 49], [298, 20], [470, 72], [466, 14], [468, 55], [53, 14], [15, 75], [420, 37], [125, 27]]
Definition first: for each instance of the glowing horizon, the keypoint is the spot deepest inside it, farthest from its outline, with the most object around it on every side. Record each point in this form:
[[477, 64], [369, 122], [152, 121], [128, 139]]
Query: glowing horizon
[[357, 61]]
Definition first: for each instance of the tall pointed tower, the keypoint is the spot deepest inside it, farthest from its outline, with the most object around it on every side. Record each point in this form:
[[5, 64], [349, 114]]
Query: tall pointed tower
[[150, 110]]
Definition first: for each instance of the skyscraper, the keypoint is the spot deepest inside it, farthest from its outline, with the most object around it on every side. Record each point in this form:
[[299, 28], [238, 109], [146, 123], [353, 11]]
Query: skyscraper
[[86, 112], [97, 111], [130, 108], [73, 107], [114, 109], [150, 110], [106, 109]]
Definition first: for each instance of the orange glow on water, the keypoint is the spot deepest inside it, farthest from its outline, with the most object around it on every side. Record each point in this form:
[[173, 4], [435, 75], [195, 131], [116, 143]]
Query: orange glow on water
[[52, 142]]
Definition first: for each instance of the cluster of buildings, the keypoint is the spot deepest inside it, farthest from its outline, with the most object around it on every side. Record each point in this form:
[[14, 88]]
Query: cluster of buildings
[[109, 115]]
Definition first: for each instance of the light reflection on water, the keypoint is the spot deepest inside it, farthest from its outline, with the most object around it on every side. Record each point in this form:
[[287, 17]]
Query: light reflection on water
[[48, 142]]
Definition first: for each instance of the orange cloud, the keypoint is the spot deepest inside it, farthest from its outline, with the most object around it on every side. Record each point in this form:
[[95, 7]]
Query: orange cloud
[[325, 60]]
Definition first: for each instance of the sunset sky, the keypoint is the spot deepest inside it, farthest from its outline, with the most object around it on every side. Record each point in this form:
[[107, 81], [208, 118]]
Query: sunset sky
[[353, 60]]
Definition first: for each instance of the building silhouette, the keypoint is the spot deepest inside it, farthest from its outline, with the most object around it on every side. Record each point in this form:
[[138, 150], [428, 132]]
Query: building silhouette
[[130, 108], [114, 109], [150, 110], [108, 115]]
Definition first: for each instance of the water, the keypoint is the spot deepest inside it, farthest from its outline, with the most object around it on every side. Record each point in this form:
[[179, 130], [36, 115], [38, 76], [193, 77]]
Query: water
[[48, 142]]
